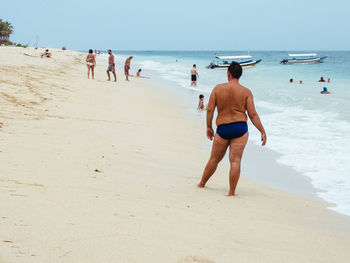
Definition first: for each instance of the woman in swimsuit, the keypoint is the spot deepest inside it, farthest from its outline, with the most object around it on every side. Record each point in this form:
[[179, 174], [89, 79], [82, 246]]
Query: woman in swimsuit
[[233, 102], [91, 63]]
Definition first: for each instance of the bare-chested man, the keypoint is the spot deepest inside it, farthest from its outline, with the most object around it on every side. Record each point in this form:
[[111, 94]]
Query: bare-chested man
[[127, 67], [194, 75], [111, 66], [232, 101], [90, 63]]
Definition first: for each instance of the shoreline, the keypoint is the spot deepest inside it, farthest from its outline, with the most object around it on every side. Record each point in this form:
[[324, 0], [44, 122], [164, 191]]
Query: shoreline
[[142, 203]]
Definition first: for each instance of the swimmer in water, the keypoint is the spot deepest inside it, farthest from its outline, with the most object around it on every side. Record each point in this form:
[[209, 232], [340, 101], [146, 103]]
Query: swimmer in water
[[325, 91]]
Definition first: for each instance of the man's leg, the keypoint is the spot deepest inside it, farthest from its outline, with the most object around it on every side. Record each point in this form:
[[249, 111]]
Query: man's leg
[[217, 153], [88, 72], [237, 146], [109, 76], [93, 72], [115, 76]]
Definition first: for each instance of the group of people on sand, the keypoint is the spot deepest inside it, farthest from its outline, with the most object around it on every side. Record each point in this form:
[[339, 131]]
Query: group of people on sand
[[324, 91], [91, 64]]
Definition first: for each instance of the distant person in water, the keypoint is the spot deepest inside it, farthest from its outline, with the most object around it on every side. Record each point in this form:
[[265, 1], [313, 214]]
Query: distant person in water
[[301, 82], [321, 80], [291, 81], [201, 102], [127, 67], [91, 63], [329, 80], [111, 66], [232, 101], [325, 91], [194, 75]]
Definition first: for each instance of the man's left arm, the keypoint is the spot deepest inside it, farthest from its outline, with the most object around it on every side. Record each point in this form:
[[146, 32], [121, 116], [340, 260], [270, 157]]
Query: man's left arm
[[210, 114]]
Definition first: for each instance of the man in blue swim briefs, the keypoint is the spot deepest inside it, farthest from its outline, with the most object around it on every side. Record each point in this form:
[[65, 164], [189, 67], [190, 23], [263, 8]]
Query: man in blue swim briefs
[[232, 101]]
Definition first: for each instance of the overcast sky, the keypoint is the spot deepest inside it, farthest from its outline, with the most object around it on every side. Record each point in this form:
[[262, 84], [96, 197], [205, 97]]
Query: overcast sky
[[182, 24]]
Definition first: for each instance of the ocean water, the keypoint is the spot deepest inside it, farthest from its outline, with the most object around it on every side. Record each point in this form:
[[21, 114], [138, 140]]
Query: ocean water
[[311, 131]]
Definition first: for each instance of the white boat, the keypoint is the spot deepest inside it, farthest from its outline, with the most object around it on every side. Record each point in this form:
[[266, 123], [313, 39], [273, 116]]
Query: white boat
[[303, 59], [225, 61]]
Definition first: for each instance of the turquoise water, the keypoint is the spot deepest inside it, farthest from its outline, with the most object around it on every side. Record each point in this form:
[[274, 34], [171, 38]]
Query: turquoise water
[[311, 131]]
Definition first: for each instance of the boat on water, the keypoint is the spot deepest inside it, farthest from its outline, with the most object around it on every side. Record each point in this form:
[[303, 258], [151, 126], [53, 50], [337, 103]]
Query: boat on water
[[223, 62], [303, 59]]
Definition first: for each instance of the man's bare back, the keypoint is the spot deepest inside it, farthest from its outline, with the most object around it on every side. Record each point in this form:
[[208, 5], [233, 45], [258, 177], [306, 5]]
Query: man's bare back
[[231, 102]]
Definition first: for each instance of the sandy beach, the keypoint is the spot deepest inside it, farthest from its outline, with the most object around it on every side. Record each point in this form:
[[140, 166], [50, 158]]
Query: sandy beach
[[97, 171]]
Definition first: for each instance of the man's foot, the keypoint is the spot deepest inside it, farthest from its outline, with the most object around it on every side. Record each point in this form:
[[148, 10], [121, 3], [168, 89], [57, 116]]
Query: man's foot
[[231, 193], [108, 80], [201, 185]]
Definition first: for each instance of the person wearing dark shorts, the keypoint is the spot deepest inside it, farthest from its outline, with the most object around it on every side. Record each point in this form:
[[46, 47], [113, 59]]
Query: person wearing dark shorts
[[194, 75], [111, 66], [233, 103]]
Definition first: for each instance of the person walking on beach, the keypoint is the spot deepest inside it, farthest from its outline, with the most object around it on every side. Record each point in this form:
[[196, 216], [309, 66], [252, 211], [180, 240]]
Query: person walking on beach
[[127, 67], [111, 66], [194, 75], [232, 101], [91, 63]]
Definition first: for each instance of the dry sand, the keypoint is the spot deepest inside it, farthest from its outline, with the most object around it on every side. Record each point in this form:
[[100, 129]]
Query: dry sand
[[97, 171]]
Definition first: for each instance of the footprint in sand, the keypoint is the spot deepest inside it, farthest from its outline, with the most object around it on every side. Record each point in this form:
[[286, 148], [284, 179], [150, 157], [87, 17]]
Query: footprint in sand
[[194, 259]]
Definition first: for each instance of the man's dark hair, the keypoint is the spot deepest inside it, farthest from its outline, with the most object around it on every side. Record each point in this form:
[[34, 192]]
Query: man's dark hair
[[235, 70], [194, 65], [201, 96], [139, 70], [90, 51], [109, 50]]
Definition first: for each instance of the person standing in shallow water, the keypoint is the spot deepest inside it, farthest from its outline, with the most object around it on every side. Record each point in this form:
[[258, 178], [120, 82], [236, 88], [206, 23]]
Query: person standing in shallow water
[[194, 75], [232, 101]]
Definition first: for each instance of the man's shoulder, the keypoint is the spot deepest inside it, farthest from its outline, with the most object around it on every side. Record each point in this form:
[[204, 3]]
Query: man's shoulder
[[220, 86]]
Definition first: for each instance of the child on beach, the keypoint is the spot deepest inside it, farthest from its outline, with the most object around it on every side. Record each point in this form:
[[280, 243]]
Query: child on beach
[[201, 102], [138, 74]]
